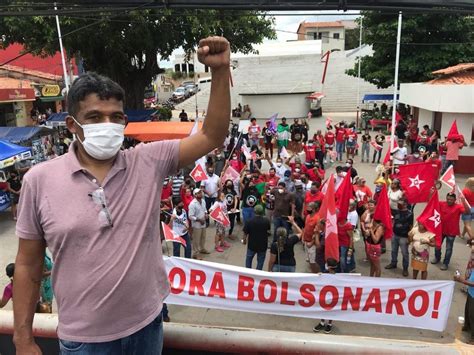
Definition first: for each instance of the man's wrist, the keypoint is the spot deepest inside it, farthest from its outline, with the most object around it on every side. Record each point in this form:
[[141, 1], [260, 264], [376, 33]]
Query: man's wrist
[[222, 70]]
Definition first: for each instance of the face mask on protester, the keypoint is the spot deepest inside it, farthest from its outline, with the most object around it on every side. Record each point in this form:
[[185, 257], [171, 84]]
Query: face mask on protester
[[278, 164], [281, 190], [297, 170], [378, 189], [102, 141], [348, 165]]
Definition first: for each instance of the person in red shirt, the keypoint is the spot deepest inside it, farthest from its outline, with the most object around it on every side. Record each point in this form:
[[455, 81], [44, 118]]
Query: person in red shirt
[[351, 143], [340, 140], [310, 151], [254, 131], [363, 194], [434, 158], [413, 136], [315, 174], [450, 212], [314, 194], [309, 238], [468, 193], [329, 139], [272, 178], [236, 163], [346, 245]]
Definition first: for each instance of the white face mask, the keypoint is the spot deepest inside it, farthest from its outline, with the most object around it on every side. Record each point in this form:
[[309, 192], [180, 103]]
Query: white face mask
[[278, 164], [281, 191], [102, 141]]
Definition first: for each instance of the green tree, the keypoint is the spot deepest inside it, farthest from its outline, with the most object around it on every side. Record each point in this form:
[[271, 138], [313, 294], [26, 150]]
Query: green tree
[[351, 38], [429, 42], [125, 46]]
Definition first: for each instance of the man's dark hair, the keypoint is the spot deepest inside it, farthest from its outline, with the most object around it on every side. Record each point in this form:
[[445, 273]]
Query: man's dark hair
[[282, 184], [177, 200], [10, 270], [253, 119], [451, 194], [339, 169], [332, 263], [92, 83]]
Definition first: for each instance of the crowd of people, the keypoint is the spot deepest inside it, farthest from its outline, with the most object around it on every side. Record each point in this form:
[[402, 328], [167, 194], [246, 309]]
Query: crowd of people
[[278, 205]]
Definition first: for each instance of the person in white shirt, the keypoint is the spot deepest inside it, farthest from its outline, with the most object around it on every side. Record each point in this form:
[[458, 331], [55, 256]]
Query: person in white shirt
[[180, 226], [210, 186], [198, 215], [400, 154], [352, 216]]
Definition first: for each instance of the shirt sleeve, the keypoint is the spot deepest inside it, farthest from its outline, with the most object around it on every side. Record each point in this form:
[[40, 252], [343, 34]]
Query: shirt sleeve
[[164, 155], [28, 224], [7, 293]]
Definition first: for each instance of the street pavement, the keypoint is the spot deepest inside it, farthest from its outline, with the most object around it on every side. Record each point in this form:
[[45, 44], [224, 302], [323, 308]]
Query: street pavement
[[235, 255]]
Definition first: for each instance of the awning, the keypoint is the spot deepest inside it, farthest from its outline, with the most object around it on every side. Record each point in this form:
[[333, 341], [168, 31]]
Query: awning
[[315, 96], [51, 98], [378, 97], [158, 131], [57, 119], [21, 134], [11, 153]]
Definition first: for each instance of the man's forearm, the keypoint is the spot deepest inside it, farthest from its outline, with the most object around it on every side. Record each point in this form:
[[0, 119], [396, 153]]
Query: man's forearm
[[26, 295], [216, 124]]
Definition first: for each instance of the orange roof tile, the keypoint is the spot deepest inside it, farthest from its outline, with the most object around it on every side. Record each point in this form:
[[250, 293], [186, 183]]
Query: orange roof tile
[[455, 69], [465, 78], [37, 73], [12, 83], [322, 24]]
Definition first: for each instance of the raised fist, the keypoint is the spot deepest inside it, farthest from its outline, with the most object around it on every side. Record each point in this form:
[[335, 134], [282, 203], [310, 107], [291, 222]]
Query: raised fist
[[214, 52]]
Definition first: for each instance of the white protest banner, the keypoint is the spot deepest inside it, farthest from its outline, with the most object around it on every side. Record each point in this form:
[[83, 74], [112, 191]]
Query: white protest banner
[[345, 297]]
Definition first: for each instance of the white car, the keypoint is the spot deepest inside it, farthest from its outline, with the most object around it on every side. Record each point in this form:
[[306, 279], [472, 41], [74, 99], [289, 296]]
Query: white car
[[179, 94]]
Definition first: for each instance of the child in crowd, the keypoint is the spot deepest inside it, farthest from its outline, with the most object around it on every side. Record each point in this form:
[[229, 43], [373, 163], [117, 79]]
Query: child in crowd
[[331, 266]]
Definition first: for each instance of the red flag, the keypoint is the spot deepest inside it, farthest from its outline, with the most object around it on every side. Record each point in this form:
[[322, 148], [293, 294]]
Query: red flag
[[383, 213], [170, 235], [219, 216], [198, 174], [376, 146], [398, 117], [328, 121], [417, 180], [343, 196], [328, 213], [431, 218], [453, 134], [387, 155], [448, 178], [230, 174]]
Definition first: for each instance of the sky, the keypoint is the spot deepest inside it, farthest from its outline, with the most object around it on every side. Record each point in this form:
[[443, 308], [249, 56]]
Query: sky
[[286, 26]]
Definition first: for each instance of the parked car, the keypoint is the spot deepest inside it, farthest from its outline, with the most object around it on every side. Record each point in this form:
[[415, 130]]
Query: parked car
[[193, 88], [180, 94]]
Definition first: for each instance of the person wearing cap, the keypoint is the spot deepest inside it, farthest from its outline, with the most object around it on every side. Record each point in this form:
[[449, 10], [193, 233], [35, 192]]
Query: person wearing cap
[[256, 232], [198, 215], [363, 194]]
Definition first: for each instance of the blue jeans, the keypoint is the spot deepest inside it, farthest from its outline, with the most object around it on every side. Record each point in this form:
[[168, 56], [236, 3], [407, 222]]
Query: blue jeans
[[187, 249], [279, 222], [339, 150], [247, 213], [365, 150], [283, 268], [449, 249], [343, 265], [148, 340], [260, 259], [401, 242]]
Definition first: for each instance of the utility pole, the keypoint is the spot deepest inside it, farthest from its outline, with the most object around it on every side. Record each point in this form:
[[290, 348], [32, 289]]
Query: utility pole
[[63, 59], [395, 81]]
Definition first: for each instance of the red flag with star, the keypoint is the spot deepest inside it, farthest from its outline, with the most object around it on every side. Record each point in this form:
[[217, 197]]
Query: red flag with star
[[198, 174], [417, 180], [170, 235], [328, 213], [431, 218], [448, 178], [219, 216], [383, 213]]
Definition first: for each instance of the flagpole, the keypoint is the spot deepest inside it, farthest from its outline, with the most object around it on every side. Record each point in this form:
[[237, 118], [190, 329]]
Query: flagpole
[[358, 72], [63, 60], [235, 145], [395, 81]]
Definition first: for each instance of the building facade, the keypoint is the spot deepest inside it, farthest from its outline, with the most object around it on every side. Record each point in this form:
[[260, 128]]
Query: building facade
[[438, 103], [331, 34]]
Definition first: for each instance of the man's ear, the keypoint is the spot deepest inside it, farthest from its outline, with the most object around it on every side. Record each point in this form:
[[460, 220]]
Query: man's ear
[[70, 124]]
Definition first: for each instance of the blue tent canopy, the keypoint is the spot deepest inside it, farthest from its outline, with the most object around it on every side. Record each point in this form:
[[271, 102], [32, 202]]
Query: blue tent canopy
[[139, 115], [8, 150], [378, 97], [21, 134], [58, 117]]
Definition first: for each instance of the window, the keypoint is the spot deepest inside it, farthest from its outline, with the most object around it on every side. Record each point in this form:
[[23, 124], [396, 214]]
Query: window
[[177, 68], [335, 35], [324, 36], [206, 69], [184, 68]]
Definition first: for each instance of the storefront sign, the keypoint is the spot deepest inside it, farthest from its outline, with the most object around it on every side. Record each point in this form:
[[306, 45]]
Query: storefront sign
[[345, 297], [11, 95], [50, 90]]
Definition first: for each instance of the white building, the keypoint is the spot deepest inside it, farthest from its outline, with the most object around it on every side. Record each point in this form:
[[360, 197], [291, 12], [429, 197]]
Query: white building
[[331, 34], [439, 102]]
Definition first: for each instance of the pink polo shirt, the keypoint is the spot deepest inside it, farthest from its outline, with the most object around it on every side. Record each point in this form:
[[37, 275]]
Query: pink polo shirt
[[109, 282]]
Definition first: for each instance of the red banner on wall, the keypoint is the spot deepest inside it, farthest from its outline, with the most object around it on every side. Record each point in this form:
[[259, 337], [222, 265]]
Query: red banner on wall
[[12, 95]]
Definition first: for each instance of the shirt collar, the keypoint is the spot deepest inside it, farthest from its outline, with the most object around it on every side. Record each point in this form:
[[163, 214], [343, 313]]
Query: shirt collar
[[75, 165]]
